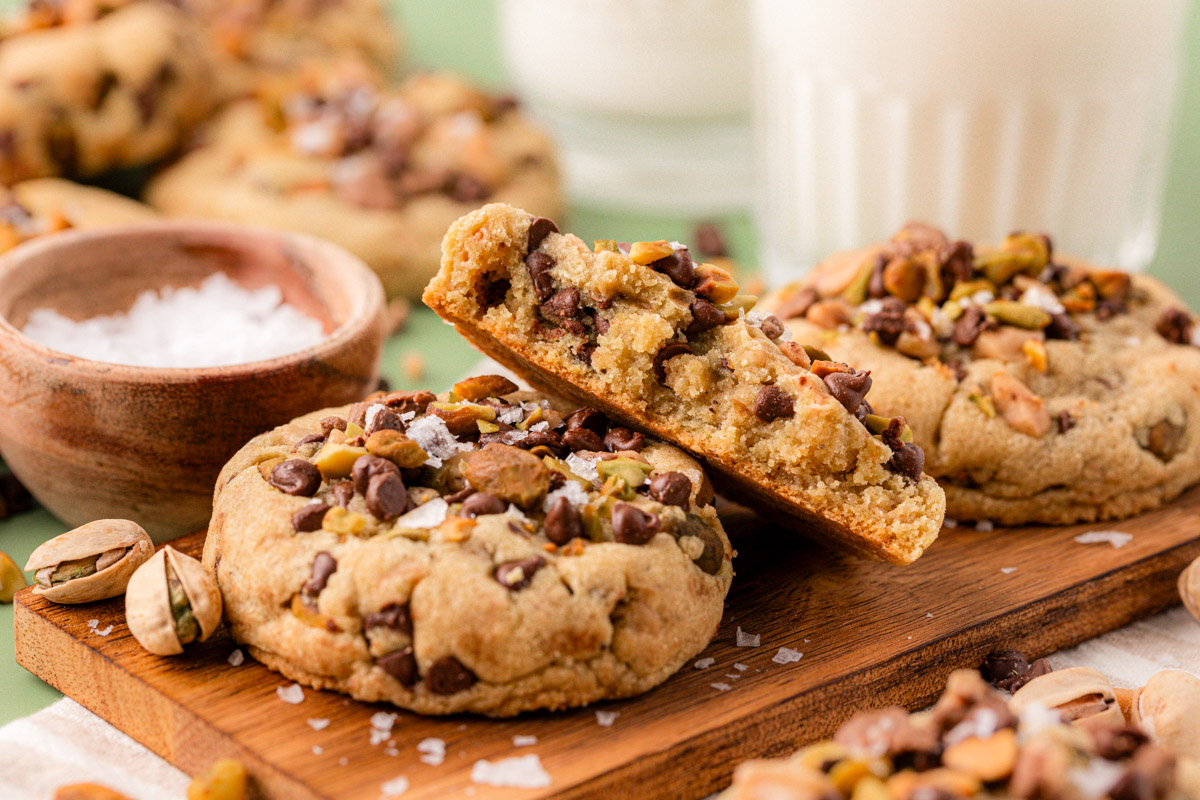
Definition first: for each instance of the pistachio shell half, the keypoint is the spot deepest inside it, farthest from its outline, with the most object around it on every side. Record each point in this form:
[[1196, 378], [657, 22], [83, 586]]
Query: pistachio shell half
[[92, 562], [171, 601], [1168, 711], [1081, 695]]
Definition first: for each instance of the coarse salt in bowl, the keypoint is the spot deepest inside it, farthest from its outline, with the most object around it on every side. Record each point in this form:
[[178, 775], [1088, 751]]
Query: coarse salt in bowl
[[92, 438]]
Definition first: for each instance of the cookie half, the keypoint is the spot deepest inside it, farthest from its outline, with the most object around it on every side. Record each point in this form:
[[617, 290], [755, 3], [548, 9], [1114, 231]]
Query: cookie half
[[382, 172], [672, 348], [1042, 389], [480, 551]]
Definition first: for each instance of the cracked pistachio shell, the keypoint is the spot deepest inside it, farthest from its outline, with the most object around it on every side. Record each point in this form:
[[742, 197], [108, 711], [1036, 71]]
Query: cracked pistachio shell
[[1072, 692], [1167, 709], [1189, 588], [87, 541], [148, 602]]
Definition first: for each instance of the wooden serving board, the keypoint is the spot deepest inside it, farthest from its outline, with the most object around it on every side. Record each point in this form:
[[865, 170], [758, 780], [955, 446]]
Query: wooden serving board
[[871, 635]]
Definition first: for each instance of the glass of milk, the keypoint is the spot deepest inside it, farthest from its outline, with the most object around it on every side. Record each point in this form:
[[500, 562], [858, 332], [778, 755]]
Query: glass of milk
[[982, 117], [649, 99]]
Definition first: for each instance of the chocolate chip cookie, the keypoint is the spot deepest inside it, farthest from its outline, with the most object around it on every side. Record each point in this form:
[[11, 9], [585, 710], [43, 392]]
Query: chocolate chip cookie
[[381, 172], [1042, 389], [482, 550], [88, 87], [672, 346]]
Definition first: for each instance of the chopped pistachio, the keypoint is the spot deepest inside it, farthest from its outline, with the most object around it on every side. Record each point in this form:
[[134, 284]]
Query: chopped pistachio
[[732, 308], [649, 252], [952, 309], [632, 473], [856, 292], [605, 246], [816, 353], [969, 288], [486, 427], [336, 460], [985, 403], [353, 429], [1019, 314], [346, 523]]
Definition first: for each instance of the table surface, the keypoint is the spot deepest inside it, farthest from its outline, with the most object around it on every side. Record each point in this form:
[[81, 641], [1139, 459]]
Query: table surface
[[459, 35]]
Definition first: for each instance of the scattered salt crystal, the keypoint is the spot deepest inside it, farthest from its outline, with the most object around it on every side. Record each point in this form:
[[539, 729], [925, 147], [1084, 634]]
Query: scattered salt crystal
[[383, 720], [1115, 538], [704, 663], [318, 723], [523, 772], [217, 323], [427, 515], [930, 616], [949, 523], [317, 750], [1096, 778], [605, 719], [540, 426], [721, 686], [433, 751], [1042, 298], [93, 624], [524, 741], [748, 639], [518, 515], [236, 658], [732, 676], [391, 751], [407, 416], [431, 433], [378, 737], [511, 415], [1008, 570], [290, 694], [985, 525], [395, 787], [787, 655], [576, 495], [343, 761], [979, 725], [373, 412], [583, 467], [741, 667], [103, 631]]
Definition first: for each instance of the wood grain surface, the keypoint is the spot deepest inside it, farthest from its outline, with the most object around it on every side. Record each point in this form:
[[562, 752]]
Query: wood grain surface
[[871, 635]]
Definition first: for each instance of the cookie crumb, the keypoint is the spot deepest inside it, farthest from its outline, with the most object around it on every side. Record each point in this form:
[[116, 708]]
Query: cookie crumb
[[787, 655], [1117, 539], [605, 719], [395, 787], [523, 772], [236, 658], [748, 639], [293, 695]]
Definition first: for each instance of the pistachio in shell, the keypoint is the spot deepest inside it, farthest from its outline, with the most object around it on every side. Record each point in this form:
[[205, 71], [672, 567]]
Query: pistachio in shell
[[93, 562], [171, 601]]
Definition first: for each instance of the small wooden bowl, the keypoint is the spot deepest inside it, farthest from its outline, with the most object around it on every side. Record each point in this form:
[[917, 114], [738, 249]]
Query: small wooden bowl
[[93, 440]]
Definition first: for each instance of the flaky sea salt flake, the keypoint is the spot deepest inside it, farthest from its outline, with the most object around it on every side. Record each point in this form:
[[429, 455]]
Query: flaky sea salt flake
[[524, 741], [433, 751], [425, 516], [748, 639], [605, 719], [293, 694], [1117, 539], [439, 444], [704, 663], [721, 686], [576, 495], [787, 655], [395, 787], [318, 723], [317, 750], [1008, 570], [583, 467], [521, 772], [236, 658]]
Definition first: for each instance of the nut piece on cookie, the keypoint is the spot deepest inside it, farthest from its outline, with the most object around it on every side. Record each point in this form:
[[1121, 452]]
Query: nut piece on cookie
[[658, 342], [528, 560]]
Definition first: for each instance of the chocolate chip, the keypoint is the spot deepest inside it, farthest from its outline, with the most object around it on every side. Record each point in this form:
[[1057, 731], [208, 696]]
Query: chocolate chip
[[582, 439], [678, 267], [771, 326], [384, 420], [342, 493], [1065, 421], [1118, 744], [562, 306], [539, 229], [308, 518], [323, 566], [493, 293], [849, 388], [875, 284], [357, 414], [395, 616], [772, 403], [460, 495], [464, 188], [447, 675], [602, 325], [798, 304], [1000, 667], [710, 243], [705, 317], [957, 263], [1062, 327], [481, 504], [907, 460], [296, 476], [1110, 307], [631, 525], [968, 327], [1174, 325], [367, 467], [619, 439], [539, 265], [312, 438], [889, 322], [386, 496], [405, 402], [524, 440], [671, 489], [666, 354], [563, 522], [400, 664], [517, 574], [1036, 670], [591, 419]]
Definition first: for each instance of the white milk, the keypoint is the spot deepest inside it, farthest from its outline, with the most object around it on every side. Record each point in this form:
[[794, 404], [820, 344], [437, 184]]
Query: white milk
[[982, 116], [649, 99]]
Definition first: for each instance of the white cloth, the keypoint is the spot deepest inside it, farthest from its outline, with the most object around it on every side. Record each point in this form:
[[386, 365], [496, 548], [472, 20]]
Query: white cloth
[[66, 743]]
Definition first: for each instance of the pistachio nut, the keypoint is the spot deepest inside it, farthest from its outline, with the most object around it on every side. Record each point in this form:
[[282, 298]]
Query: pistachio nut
[[171, 601], [631, 472], [1168, 711], [92, 562], [1012, 312], [1080, 695], [1023, 410], [1189, 588], [12, 580]]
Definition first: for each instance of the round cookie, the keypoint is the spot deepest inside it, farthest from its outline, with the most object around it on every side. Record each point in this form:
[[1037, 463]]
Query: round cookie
[[45, 205], [495, 557], [1041, 389], [87, 89], [381, 172]]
